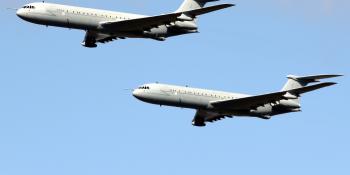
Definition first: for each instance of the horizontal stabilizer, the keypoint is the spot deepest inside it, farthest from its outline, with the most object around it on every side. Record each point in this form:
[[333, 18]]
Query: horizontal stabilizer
[[193, 4], [313, 78], [201, 11], [207, 1], [295, 82]]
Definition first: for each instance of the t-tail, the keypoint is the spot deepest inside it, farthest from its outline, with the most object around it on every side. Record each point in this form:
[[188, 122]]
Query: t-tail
[[190, 9], [301, 84]]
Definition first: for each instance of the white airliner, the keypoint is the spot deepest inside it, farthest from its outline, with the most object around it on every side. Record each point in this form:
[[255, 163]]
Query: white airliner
[[216, 105], [104, 26]]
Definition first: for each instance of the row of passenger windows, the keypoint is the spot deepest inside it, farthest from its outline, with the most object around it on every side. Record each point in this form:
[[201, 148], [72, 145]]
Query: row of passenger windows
[[29, 7], [201, 94], [93, 14]]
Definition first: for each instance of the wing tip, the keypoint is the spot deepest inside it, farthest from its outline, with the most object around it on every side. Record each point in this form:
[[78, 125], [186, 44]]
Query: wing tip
[[329, 83], [332, 75], [228, 5], [339, 75]]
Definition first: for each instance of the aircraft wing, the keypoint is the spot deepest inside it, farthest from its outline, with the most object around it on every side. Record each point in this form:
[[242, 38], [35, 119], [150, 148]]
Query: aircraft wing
[[203, 116], [146, 23], [252, 102]]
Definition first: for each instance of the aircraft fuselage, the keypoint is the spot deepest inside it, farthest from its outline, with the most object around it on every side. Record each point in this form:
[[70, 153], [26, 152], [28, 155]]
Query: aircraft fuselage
[[89, 19], [194, 98]]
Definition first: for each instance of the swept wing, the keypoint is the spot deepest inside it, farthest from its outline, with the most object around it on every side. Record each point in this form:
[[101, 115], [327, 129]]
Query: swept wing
[[253, 102], [147, 23]]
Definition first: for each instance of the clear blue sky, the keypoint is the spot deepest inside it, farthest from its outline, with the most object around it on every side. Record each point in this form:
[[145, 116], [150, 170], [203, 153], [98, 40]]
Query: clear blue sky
[[63, 109]]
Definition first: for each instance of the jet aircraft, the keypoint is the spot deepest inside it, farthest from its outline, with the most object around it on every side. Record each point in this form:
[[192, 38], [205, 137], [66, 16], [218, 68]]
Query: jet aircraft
[[215, 105], [103, 26]]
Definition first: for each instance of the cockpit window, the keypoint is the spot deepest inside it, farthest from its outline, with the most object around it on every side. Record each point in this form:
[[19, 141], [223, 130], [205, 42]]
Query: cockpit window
[[29, 7], [144, 87]]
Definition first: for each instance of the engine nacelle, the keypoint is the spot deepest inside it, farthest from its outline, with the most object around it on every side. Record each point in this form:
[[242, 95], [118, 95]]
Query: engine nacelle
[[198, 122], [290, 104], [262, 110], [186, 25], [156, 32], [89, 44]]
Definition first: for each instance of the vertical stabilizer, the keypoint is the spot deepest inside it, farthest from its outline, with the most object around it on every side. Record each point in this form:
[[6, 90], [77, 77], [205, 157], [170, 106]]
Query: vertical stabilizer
[[298, 82], [295, 82], [190, 9]]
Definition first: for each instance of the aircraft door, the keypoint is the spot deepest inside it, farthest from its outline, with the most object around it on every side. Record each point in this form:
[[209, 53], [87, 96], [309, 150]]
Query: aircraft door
[[177, 96], [65, 15], [61, 18], [170, 96]]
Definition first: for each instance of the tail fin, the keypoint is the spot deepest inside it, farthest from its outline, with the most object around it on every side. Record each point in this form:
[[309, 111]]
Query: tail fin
[[295, 82], [188, 5], [190, 9], [298, 82]]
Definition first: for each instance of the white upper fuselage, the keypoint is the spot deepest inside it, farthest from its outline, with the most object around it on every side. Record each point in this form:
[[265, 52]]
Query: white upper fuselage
[[103, 26], [202, 99], [93, 19], [70, 16], [215, 105], [179, 96]]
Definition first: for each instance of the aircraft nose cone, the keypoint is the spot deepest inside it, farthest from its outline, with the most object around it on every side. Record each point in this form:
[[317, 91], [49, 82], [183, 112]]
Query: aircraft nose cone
[[136, 93], [20, 13]]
